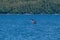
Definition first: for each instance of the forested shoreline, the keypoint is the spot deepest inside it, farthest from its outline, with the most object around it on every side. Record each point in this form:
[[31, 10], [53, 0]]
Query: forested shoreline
[[30, 6]]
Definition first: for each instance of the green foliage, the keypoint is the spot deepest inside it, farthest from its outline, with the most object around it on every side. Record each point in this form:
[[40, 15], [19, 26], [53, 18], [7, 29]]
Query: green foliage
[[30, 6]]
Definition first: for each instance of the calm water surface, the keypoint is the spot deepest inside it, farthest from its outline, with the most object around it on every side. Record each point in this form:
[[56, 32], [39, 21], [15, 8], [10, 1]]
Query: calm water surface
[[20, 27]]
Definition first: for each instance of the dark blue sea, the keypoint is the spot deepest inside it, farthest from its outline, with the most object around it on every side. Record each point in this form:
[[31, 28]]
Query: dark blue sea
[[20, 27]]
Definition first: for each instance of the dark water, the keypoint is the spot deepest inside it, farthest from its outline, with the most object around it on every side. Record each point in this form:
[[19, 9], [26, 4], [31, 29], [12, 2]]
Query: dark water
[[20, 27]]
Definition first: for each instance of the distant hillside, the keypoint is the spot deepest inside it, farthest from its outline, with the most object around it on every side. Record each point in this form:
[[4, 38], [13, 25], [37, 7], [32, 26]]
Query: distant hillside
[[30, 6]]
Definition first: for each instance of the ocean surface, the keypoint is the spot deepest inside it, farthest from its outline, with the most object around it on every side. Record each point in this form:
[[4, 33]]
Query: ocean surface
[[20, 27]]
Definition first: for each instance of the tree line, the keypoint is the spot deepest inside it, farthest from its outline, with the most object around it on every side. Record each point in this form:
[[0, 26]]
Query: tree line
[[29, 6]]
